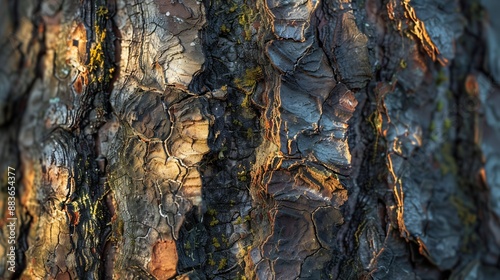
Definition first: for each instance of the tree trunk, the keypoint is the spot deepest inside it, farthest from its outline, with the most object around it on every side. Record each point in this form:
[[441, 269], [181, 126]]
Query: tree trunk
[[247, 139]]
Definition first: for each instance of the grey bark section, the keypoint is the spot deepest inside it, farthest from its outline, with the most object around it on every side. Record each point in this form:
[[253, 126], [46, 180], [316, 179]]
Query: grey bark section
[[272, 139]]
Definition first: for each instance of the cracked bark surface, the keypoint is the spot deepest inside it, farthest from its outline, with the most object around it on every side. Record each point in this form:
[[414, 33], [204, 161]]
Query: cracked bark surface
[[268, 139]]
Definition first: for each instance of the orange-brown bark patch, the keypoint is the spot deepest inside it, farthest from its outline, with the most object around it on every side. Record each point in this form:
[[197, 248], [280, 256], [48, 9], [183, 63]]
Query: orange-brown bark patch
[[164, 260]]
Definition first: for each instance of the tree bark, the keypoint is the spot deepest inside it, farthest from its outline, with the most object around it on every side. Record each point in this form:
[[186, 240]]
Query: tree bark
[[246, 139]]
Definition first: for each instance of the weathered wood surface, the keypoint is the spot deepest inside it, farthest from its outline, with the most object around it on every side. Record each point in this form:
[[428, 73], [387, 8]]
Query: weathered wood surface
[[239, 139]]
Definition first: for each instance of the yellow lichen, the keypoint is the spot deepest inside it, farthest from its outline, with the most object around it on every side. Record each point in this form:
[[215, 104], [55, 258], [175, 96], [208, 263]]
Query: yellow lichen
[[212, 212], [237, 122], [243, 251], [216, 243], [111, 71], [214, 222], [238, 221], [242, 176], [222, 263], [233, 8], [245, 19], [102, 12], [403, 64], [211, 261], [96, 65], [250, 133], [248, 82], [224, 240], [250, 79], [224, 29]]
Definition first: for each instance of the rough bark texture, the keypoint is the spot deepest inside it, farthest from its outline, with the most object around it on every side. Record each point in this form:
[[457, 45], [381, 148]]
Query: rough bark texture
[[269, 139]]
